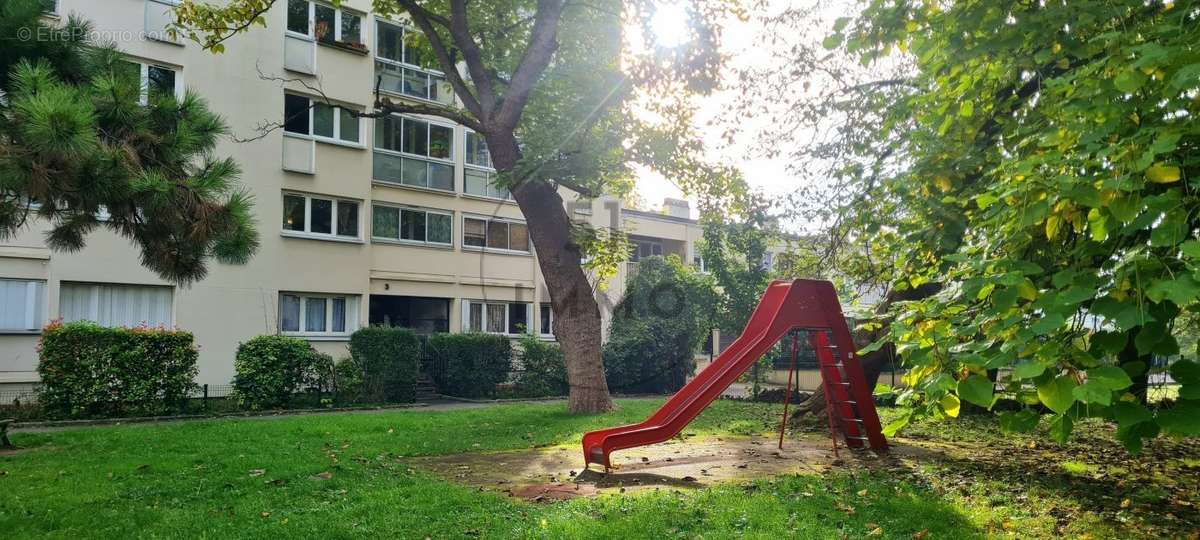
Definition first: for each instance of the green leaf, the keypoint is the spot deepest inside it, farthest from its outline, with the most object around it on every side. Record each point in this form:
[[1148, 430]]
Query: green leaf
[[896, 425], [977, 389], [1028, 369], [1162, 174], [1060, 428], [1022, 421], [1110, 377], [1129, 81], [1127, 413], [1171, 230], [1092, 393], [1048, 324], [1149, 335], [1109, 342], [1182, 419], [832, 41], [1133, 369], [1125, 208], [1185, 372], [1191, 249], [966, 108], [1131, 436], [950, 405], [1056, 394], [1181, 290]]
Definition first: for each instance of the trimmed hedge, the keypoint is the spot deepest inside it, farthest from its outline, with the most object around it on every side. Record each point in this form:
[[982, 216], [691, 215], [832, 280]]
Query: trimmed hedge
[[468, 365], [91, 370], [386, 359], [543, 369], [271, 370]]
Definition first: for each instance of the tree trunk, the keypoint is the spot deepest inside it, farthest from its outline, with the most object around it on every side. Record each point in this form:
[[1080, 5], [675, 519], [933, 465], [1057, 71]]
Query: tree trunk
[[576, 315]]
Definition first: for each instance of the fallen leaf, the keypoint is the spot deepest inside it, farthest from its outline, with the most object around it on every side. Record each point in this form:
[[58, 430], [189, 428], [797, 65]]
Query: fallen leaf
[[921, 534], [877, 531], [266, 514], [321, 476], [1125, 503], [862, 493], [257, 472]]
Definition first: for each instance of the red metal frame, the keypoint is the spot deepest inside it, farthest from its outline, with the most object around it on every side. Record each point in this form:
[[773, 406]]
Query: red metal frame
[[785, 306]]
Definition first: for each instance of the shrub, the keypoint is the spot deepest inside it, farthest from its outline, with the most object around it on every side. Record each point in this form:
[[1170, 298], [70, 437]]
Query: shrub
[[347, 381], [271, 370], [468, 365], [543, 369], [90, 370], [386, 358], [656, 328]]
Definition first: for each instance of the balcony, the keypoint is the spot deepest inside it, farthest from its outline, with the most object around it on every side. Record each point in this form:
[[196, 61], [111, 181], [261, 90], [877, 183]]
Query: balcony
[[400, 79]]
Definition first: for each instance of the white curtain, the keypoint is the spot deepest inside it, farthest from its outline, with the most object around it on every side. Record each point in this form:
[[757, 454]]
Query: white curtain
[[115, 305]]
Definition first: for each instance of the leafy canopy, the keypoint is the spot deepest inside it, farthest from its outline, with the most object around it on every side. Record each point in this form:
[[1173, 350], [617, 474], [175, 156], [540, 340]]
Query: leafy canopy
[[1038, 161]]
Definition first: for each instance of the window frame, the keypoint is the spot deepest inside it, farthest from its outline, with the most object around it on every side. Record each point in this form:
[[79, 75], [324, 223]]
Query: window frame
[[35, 306], [144, 79], [450, 161], [488, 170], [485, 248], [337, 123], [350, 322], [311, 35], [484, 319], [542, 331], [400, 209], [333, 218], [95, 288], [430, 73]]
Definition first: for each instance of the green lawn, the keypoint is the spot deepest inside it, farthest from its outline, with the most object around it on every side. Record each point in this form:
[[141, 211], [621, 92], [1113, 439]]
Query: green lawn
[[264, 478]]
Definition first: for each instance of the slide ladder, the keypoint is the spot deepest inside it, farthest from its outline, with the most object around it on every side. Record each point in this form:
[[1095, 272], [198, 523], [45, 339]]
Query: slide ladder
[[786, 306]]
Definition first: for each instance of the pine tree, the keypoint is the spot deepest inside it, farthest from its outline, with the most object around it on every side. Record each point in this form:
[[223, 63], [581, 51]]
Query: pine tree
[[84, 145]]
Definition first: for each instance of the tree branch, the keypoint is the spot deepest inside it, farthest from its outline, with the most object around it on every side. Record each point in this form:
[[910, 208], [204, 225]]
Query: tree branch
[[461, 33], [543, 41], [423, 18]]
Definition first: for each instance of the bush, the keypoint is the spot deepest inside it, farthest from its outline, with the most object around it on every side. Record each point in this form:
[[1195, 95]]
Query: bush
[[347, 381], [656, 328], [543, 369], [271, 370], [468, 365], [90, 370], [385, 358]]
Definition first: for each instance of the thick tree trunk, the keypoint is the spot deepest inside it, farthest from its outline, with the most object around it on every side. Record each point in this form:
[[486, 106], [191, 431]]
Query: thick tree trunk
[[576, 315]]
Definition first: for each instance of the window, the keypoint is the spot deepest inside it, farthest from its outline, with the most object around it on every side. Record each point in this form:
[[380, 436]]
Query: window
[[317, 314], [304, 116], [319, 216], [115, 305], [411, 225], [324, 23], [414, 152], [21, 307], [546, 322], [495, 317], [645, 248], [423, 315], [50, 6], [405, 65], [495, 234], [479, 177], [155, 81]]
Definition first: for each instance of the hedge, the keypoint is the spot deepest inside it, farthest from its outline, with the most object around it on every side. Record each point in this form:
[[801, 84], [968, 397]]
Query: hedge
[[386, 361], [543, 369], [271, 370], [91, 370], [468, 365]]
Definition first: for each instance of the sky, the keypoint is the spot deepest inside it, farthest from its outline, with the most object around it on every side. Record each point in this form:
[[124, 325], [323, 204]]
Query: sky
[[740, 41]]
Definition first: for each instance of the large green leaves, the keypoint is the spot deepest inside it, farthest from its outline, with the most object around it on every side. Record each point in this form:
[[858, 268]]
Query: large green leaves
[[1057, 393], [977, 390]]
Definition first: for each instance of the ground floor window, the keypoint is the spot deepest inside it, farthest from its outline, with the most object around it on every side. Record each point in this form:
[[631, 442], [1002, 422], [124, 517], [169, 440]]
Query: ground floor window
[[307, 314], [546, 316], [110, 304], [422, 315], [495, 317], [21, 305]]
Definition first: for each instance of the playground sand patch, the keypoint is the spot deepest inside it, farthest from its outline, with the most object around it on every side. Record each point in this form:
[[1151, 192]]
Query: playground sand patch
[[557, 473]]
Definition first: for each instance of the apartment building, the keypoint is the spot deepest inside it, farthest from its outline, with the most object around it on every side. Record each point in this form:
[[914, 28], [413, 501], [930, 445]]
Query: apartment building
[[388, 221]]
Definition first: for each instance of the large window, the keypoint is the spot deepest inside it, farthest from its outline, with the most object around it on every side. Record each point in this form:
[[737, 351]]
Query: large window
[[495, 317], [21, 305], [307, 215], [490, 233], [405, 66], [645, 248], [414, 152], [324, 23], [115, 305], [154, 80], [422, 315], [304, 116], [479, 177], [308, 314], [411, 225]]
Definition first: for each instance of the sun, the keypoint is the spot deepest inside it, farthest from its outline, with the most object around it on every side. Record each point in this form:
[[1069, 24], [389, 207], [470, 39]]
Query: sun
[[670, 24]]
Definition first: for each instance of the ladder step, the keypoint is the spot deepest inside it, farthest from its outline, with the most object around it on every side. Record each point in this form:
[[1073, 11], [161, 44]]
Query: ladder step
[[852, 402], [839, 364], [856, 438]]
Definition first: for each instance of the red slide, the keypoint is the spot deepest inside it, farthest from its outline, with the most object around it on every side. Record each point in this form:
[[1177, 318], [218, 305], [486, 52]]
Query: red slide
[[786, 305]]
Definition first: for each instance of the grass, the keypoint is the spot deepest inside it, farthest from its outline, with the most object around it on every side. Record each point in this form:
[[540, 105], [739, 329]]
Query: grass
[[347, 475]]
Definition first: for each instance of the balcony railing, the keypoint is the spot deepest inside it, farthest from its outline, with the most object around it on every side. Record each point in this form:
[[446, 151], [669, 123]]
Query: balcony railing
[[407, 81]]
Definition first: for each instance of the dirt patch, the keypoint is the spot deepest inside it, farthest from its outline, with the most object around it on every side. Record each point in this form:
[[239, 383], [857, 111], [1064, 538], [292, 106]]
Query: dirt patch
[[556, 473]]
